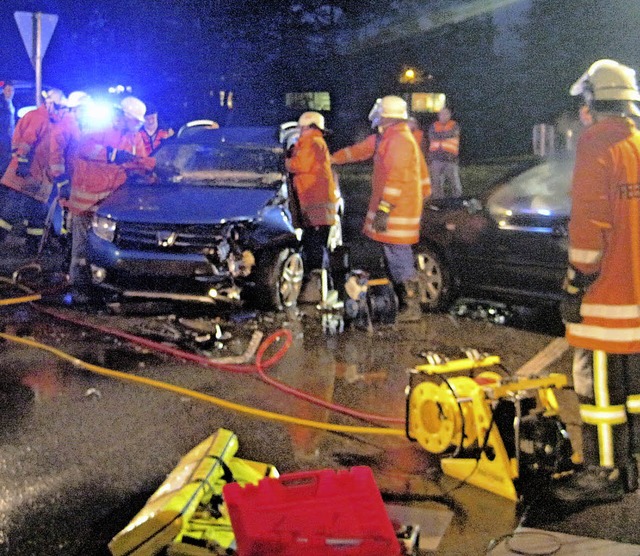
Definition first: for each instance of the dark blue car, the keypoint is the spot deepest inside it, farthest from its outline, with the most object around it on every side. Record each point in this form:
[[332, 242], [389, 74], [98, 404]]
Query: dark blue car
[[510, 244], [216, 225]]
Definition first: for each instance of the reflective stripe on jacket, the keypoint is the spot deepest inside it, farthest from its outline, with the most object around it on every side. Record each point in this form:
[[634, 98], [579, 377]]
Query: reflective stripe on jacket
[[400, 177], [310, 165], [94, 179], [604, 236], [31, 140], [444, 141]]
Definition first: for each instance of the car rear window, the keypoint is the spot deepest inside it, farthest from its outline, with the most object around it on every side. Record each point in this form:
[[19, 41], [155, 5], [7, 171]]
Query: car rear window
[[542, 190]]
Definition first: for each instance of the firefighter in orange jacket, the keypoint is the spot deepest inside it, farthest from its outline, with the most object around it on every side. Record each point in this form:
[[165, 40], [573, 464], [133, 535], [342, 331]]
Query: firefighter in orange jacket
[[27, 181], [310, 164], [400, 184], [104, 160], [602, 301], [65, 137], [151, 134]]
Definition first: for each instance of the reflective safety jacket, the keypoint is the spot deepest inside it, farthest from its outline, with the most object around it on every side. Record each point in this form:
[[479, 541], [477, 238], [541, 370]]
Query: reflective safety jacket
[[310, 164], [444, 141], [400, 177], [31, 140], [65, 136], [94, 179], [604, 236], [152, 142]]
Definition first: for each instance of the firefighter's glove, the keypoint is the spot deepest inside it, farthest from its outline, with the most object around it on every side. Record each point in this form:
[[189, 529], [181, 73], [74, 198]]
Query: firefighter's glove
[[574, 287], [63, 183], [381, 218], [117, 156], [24, 167]]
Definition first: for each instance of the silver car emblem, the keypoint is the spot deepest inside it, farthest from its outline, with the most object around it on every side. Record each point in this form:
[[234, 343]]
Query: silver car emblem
[[166, 239]]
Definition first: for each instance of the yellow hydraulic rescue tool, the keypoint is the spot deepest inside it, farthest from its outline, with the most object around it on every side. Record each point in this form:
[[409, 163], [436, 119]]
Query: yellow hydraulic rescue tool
[[492, 430], [187, 516]]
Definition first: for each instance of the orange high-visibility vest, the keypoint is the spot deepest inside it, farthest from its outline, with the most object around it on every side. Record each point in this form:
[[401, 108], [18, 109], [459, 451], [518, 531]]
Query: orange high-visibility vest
[[313, 181], [444, 141], [65, 136]]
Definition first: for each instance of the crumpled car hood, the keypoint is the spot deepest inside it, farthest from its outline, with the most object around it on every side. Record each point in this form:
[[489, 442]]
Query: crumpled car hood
[[179, 203]]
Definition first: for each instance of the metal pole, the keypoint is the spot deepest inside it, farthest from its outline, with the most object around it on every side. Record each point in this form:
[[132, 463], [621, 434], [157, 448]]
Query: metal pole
[[37, 54]]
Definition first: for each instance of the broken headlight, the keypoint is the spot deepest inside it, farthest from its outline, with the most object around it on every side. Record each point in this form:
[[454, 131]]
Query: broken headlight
[[103, 227]]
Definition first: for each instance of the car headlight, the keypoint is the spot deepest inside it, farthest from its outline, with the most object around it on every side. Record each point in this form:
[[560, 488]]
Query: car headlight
[[103, 227]]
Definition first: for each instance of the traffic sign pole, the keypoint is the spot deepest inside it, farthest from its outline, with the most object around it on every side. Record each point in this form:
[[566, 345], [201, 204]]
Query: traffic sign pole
[[37, 54]]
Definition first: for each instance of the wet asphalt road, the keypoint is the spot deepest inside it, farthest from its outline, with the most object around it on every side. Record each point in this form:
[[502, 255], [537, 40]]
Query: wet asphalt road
[[80, 453]]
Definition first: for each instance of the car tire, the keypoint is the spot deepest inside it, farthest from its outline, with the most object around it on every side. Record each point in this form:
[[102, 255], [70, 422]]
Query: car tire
[[435, 280], [278, 280]]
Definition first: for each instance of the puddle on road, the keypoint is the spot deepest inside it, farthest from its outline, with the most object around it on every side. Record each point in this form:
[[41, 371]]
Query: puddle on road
[[542, 319], [16, 401]]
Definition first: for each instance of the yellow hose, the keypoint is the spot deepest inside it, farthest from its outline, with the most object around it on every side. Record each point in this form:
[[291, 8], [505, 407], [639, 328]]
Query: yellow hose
[[16, 300], [23, 299], [203, 397]]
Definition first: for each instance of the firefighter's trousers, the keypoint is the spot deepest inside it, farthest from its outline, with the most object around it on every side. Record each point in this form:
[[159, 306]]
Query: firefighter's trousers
[[608, 388]]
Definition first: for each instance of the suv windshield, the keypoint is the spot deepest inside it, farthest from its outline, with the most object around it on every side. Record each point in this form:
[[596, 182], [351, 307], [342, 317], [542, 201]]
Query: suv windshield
[[219, 164]]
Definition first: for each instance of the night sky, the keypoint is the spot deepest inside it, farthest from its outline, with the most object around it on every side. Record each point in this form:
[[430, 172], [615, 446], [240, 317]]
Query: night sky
[[504, 71]]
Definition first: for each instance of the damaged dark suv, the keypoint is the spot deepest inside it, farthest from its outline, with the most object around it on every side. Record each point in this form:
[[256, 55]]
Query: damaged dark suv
[[215, 226]]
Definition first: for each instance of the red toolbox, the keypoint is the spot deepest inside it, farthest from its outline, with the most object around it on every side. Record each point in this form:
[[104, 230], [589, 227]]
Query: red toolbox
[[311, 513]]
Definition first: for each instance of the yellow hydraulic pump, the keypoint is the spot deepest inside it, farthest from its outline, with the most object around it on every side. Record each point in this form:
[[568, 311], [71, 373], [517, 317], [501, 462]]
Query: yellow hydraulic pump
[[187, 515], [492, 430]]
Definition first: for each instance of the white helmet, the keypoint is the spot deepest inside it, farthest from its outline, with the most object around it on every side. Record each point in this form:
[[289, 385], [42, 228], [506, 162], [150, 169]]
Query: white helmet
[[607, 80], [289, 134], [388, 107], [54, 96], [77, 98], [134, 108], [311, 118]]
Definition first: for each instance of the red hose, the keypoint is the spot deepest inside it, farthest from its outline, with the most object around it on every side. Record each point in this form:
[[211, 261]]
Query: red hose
[[259, 367], [305, 395]]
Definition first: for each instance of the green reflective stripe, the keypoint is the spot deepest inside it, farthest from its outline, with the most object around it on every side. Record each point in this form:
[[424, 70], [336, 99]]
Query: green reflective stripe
[[5, 225], [633, 403], [35, 231]]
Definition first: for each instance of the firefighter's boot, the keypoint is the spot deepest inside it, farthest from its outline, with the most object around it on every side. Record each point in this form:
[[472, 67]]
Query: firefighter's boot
[[401, 294], [592, 485], [410, 310]]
